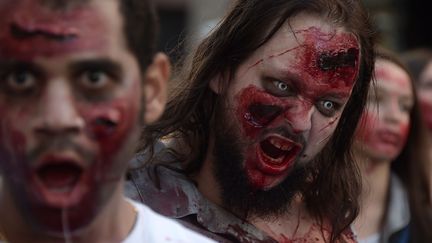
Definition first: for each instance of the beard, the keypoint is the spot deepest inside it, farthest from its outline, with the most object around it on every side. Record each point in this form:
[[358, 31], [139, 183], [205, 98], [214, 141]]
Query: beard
[[237, 193]]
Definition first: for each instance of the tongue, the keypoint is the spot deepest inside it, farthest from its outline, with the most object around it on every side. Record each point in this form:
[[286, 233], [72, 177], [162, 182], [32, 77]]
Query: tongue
[[60, 176], [271, 150]]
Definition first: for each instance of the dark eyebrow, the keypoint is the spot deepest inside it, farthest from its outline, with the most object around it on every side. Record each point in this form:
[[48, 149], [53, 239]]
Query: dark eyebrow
[[103, 64], [11, 65]]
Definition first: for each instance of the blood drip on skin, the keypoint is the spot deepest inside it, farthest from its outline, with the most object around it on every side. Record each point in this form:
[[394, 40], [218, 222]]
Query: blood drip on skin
[[331, 123], [325, 63], [26, 25], [110, 124], [16, 141], [316, 233], [257, 109], [329, 60]]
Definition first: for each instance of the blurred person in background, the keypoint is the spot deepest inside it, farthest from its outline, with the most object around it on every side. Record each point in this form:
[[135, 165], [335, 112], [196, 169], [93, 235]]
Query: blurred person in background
[[391, 149], [262, 134], [419, 62]]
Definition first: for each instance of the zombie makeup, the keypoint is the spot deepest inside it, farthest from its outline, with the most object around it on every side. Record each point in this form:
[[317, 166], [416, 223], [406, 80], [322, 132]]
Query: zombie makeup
[[28, 30], [385, 126], [66, 135], [273, 117]]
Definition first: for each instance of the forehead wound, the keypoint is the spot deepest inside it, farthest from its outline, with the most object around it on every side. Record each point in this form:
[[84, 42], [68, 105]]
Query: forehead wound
[[22, 31], [30, 24], [329, 56], [339, 59]]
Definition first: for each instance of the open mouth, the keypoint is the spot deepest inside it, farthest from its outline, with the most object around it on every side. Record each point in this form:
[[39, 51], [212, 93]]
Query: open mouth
[[59, 176], [60, 181], [277, 154]]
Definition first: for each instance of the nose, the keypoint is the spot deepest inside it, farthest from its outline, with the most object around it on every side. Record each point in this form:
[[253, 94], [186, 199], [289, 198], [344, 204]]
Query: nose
[[57, 111], [393, 114], [299, 116]]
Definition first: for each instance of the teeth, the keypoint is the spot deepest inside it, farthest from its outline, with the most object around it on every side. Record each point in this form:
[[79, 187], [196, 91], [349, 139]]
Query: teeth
[[273, 160], [278, 144]]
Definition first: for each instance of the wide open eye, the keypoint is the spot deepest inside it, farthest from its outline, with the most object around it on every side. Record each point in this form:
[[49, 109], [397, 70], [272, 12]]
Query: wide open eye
[[328, 105], [278, 88], [280, 85], [94, 79], [328, 108], [20, 81]]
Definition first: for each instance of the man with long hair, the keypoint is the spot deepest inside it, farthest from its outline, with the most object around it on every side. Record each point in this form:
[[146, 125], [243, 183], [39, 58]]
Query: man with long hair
[[260, 126]]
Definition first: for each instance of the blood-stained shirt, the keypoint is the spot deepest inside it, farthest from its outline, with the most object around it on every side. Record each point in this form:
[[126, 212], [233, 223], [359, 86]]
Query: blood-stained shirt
[[168, 191]]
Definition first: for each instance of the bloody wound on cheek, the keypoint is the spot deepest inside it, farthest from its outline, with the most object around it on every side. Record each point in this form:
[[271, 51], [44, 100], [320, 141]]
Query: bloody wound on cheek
[[260, 115], [103, 127]]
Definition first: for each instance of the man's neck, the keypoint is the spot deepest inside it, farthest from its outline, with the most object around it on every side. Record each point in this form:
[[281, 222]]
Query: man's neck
[[113, 223], [206, 181]]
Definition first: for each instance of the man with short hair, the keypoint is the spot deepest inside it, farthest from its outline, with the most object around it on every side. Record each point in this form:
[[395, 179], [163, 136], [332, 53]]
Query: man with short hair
[[261, 127], [78, 79]]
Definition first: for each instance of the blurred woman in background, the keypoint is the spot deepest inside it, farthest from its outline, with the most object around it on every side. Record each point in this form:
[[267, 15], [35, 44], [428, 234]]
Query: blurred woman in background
[[391, 149], [419, 62]]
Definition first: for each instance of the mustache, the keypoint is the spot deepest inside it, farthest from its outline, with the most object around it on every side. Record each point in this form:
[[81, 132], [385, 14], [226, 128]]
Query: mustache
[[60, 144], [286, 132]]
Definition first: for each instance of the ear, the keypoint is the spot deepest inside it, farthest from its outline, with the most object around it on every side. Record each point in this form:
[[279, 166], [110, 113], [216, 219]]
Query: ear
[[216, 84], [155, 87]]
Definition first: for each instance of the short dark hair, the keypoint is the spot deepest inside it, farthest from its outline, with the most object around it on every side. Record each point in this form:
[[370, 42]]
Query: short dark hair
[[141, 29], [333, 194]]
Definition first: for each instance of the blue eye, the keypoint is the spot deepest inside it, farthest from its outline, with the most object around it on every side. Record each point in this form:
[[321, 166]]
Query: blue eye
[[328, 105], [328, 108], [280, 85]]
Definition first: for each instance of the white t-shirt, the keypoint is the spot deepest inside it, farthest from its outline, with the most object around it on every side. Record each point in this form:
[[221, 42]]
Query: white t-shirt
[[151, 227], [370, 239]]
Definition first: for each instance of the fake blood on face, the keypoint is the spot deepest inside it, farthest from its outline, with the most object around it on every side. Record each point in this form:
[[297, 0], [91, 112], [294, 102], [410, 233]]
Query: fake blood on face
[[29, 30], [376, 136], [273, 153], [325, 63], [330, 59]]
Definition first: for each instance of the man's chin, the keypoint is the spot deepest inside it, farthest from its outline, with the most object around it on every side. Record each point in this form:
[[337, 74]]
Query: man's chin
[[57, 212], [56, 221], [262, 181]]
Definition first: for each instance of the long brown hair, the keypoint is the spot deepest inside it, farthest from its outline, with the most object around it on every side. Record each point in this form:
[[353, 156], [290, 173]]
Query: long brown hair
[[333, 194], [412, 164]]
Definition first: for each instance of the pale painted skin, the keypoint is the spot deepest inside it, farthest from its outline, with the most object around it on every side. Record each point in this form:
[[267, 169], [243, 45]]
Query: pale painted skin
[[380, 138], [424, 90], [273, 68], [269, 69], [385, 125], [56, 100]]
